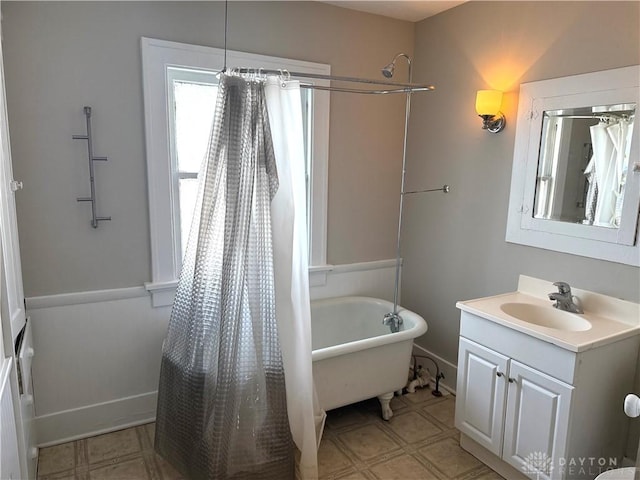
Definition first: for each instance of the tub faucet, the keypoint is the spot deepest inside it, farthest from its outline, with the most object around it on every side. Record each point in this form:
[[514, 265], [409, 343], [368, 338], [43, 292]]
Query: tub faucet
[[564, 298], [393, 320]]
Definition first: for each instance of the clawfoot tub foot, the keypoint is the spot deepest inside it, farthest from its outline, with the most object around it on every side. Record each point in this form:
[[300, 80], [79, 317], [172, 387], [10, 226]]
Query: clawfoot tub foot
[[384, 400]]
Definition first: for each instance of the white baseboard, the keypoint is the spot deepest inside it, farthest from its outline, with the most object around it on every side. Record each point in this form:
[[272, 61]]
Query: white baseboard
[[449, 370], [83, 422]]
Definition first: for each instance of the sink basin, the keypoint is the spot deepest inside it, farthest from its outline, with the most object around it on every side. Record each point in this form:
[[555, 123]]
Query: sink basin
[[546, 316]]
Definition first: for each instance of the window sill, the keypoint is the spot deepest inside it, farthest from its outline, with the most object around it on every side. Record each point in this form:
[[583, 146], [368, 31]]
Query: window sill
[[318, 275], [162, 293]]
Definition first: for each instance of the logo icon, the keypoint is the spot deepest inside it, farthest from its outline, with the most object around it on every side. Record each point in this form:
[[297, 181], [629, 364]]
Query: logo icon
[[537, 463]]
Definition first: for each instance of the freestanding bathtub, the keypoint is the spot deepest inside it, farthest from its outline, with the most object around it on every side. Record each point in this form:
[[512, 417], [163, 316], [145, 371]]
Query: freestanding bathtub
[[355, 356]]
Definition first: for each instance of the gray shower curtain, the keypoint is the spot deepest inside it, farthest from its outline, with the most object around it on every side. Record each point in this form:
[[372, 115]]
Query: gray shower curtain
[[221, 400]]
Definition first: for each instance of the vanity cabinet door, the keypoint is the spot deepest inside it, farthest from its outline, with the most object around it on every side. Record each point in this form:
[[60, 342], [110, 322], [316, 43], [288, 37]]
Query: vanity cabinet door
[[536, 423], [481, 392]]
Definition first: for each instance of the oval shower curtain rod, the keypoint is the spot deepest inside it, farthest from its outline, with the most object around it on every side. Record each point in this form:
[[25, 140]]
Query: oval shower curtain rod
[[406, 88], [399, 87]]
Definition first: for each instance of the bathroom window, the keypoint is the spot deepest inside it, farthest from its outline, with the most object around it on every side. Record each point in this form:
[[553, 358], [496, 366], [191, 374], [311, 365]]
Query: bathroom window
[[192, 100], [180, 88]]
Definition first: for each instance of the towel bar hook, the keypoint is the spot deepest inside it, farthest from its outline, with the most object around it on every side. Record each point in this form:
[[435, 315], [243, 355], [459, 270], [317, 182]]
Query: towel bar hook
[[88, 137]]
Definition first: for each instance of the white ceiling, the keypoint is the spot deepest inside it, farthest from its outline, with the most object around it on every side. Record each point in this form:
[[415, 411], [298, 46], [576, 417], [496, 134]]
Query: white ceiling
[[413, 11]]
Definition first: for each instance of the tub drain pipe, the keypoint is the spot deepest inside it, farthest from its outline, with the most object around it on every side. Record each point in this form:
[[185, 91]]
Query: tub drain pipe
[[439, 375]]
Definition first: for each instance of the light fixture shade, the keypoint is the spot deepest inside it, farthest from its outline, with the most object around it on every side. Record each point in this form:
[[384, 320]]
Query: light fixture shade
[[488, 102]]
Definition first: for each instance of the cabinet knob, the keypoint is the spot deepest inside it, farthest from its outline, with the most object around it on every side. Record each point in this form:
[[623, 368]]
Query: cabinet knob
[[632, 405], [512, 380], [499, 374]]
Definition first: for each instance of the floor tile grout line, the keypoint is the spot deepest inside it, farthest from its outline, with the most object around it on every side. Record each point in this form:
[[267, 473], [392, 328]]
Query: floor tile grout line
[[366, 416]]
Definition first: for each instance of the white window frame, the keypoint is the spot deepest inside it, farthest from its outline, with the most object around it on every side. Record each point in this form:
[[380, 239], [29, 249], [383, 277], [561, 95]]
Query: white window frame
[[195, 76], [157, 56]]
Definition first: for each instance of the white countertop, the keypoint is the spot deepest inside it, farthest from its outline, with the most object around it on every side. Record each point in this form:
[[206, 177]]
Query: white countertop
[[603, 330]]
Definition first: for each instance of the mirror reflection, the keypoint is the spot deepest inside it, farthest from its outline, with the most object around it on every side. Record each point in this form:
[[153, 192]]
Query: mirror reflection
[[583, 161]]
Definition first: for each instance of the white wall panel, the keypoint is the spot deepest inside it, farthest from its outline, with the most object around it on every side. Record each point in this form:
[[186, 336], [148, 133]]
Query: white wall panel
[[99, 355]]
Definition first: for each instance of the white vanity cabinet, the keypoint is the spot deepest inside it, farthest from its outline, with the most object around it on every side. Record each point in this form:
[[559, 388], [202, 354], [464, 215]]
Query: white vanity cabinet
[[512, 410], [529, 408]]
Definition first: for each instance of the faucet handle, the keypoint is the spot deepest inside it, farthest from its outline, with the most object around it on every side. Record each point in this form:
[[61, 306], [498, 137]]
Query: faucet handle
[[563, 287]]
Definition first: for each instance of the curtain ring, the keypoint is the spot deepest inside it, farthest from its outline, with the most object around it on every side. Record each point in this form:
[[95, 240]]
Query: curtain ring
[[285, 76]]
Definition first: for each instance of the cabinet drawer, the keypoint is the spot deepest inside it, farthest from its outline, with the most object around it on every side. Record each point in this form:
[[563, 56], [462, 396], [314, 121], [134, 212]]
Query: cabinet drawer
[[27, 408]]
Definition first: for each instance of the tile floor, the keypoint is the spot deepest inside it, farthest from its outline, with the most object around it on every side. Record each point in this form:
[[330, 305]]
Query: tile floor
[[419, 442]]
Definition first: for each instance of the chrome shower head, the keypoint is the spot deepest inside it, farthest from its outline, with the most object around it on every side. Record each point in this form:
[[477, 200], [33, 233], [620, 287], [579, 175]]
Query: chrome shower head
[[388, 70]]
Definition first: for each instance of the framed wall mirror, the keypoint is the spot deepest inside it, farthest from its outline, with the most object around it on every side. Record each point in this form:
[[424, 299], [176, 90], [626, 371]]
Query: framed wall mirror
[[575, 185]]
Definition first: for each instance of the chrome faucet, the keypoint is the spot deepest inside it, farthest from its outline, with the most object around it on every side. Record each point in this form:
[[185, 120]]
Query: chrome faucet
[[393, 320], [564, 298]]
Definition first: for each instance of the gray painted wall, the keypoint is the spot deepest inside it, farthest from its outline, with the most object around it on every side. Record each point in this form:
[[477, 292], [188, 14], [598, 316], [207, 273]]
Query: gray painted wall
[[60, 56], [454, 247]]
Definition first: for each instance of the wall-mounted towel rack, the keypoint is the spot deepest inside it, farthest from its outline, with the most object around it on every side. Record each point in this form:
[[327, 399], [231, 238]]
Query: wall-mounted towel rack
[[94, 218]]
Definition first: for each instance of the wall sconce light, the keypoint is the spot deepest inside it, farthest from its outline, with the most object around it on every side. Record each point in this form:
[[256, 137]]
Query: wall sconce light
[[488, 107]]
